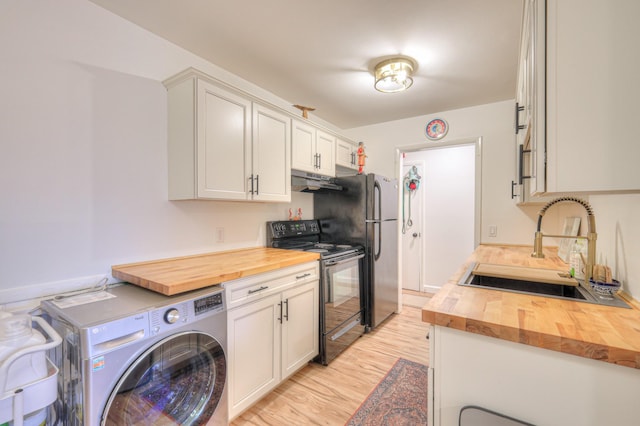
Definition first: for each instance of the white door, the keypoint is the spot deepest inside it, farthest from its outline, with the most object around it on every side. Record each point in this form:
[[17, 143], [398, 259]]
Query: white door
[[448, 191], [412, 211]]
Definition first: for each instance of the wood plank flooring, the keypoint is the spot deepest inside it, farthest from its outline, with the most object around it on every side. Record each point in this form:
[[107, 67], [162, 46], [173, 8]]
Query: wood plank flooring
[[318, 395]]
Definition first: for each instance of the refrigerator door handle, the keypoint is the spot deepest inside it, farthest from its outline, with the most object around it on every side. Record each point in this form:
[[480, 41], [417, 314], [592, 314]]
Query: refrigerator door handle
[[377, 202]]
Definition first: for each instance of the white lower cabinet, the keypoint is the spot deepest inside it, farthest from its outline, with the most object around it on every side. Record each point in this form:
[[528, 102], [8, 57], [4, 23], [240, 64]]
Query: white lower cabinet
[[528, 383], [300, 327], [272, 330]]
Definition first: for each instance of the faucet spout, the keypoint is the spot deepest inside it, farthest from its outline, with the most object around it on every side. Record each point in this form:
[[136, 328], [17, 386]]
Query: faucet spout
[[591, 234]]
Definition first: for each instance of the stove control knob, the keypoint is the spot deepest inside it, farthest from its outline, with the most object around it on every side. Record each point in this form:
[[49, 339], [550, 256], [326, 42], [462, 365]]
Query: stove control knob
[[171, 316]]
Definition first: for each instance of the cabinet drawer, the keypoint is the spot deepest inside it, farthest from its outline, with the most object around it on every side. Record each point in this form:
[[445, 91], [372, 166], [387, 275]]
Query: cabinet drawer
[[244, 290]]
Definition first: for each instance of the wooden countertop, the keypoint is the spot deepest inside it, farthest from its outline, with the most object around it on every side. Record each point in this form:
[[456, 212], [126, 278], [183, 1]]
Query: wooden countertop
[[181, 274], [592, 331]]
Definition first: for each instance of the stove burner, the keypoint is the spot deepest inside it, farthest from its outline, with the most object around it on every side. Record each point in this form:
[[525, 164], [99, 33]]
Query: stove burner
[[318, 250], [343, 246]]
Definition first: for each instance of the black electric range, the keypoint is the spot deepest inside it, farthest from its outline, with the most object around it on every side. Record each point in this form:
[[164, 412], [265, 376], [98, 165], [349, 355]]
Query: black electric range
[[306, 235]]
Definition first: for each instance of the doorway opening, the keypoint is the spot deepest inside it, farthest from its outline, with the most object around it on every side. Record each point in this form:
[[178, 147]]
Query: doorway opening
[[440, 214]]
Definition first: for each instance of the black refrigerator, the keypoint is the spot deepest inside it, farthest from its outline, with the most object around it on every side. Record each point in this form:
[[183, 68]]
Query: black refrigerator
[[366, 212]]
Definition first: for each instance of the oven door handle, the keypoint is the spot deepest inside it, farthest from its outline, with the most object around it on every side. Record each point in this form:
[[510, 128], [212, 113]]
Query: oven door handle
[[341, 261], [327, 286]]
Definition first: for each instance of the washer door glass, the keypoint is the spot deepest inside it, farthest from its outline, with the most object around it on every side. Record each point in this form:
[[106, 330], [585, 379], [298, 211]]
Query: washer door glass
[[178, 381]]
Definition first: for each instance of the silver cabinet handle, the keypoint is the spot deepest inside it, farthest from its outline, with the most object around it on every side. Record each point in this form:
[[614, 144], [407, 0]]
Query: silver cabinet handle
[[264, 287], [250, 178], [299, 277], [286, 310]]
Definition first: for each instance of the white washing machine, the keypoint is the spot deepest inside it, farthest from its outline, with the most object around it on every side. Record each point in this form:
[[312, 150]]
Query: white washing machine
[[130, 356]]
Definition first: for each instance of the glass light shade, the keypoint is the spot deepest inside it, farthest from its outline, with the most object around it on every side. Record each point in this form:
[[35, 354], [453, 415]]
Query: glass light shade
[[393, 75]]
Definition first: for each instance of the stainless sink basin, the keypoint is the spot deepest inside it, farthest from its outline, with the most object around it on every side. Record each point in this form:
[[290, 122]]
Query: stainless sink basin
[[577, 293]]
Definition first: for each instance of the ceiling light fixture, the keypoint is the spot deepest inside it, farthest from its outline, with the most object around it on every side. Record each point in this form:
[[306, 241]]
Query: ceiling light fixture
[[394, 75]]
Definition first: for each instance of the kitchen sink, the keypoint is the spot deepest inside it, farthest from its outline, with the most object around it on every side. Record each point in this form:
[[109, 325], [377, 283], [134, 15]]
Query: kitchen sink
[[573, 291]]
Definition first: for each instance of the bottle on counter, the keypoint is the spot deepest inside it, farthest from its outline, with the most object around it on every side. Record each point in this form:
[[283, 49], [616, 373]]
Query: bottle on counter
[[576, 265]]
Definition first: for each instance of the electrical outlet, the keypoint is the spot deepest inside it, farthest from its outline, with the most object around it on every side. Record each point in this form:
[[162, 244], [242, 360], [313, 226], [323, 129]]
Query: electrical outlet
[[493, 230], [219, 235]]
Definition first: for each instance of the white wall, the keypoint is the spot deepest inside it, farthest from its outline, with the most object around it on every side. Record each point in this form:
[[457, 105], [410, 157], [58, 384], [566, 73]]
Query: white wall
[[618, 228], [618, 244], [83, 163], [492, 122]]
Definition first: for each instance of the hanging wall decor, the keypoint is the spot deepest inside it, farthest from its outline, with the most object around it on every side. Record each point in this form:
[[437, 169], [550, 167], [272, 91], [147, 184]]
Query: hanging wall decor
[[411, 184]]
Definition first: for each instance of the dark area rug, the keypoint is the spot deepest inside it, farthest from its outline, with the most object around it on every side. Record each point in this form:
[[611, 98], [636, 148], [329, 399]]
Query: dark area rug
[[399, 399]]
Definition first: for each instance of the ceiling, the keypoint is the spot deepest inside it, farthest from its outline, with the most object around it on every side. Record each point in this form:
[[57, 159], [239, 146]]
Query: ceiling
[[321, 53]]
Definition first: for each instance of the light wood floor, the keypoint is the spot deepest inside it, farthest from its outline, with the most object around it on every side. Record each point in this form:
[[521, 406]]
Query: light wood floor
[[318, 395]]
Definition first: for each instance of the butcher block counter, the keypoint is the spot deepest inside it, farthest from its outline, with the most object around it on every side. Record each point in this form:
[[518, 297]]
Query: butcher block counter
[[592, 331], [181, 274]]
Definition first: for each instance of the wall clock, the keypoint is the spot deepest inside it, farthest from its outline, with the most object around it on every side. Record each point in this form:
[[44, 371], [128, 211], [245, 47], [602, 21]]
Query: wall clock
[[437, 128]]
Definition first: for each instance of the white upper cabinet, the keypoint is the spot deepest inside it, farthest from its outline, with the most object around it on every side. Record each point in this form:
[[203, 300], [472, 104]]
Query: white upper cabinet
[[271, 155], [325, 147], [313, 150], [346, 154], [530, 107], [223, 145], [592, 65]]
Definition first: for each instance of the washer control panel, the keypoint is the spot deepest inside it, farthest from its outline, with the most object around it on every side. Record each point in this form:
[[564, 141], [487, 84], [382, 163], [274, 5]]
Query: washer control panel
[[173, 316], [210, 303]]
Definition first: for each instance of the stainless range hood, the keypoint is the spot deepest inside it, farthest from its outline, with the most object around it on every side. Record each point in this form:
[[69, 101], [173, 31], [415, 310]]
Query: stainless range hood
[[310, 182]]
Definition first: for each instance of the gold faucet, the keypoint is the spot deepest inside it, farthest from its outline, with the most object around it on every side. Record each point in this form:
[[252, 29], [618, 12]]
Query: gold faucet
[[591, 235]]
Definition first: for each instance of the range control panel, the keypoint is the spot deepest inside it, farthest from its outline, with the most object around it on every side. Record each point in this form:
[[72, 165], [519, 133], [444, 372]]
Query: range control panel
[[292, 228]]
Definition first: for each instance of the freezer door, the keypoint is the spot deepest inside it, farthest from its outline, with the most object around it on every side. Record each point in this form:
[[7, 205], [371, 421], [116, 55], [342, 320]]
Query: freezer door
[[385, 201]]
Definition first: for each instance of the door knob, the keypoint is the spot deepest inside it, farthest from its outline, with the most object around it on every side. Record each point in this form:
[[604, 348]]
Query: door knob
[[415, 235]]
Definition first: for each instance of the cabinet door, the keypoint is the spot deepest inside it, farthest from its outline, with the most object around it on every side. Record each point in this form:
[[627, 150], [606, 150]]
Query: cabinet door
[[253, 333], [346, 154], [271, 155], [223, 143], [535, 92], [325, 148], [303, 147], [592, 70], [300, 327]]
